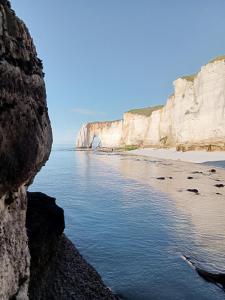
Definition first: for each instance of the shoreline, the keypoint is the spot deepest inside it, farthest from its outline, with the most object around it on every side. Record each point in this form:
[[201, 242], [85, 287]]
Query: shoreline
[[195, 156], [188, 156], [195, 189]]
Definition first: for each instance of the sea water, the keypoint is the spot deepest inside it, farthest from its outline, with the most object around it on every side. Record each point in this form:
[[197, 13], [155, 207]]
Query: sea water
[[134, 236]]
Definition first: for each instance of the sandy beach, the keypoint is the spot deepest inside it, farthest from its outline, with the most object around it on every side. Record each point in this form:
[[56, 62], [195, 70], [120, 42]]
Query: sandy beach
[[176, 177], [189, 156], [196, 190]]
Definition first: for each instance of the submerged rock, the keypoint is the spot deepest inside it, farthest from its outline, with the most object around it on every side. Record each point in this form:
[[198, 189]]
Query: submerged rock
[[193, 191], [216, 278]]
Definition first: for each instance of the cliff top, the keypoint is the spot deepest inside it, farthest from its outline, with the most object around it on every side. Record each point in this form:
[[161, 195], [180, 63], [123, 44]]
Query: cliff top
[[218, 58], [147, 111], [193, 76], [190, 77], [104, 122]]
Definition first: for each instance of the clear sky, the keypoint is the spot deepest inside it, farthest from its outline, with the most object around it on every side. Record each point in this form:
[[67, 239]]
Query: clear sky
[[104, 57]]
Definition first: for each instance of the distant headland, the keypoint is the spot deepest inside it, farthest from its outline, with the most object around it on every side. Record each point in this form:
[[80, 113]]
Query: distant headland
[[193, 117]]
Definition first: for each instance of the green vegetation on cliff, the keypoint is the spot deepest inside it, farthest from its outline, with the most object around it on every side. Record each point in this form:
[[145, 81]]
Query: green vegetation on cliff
[[190, 77], [147, 111], [193, 76], [130, 148], [218, 58]]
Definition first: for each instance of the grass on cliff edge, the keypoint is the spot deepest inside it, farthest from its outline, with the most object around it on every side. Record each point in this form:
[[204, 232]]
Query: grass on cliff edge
[[147, 111], [193, 76], [190, 77], [130, 148], [218, 58]]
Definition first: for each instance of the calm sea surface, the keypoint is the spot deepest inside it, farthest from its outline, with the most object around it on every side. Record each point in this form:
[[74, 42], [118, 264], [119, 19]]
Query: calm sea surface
[[134, 236]]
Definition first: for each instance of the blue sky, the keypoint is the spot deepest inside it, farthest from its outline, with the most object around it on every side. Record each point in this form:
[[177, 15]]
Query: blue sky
[[104, 57]]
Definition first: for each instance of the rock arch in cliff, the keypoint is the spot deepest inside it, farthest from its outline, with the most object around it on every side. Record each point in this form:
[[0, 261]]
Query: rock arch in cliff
[[96, 142]]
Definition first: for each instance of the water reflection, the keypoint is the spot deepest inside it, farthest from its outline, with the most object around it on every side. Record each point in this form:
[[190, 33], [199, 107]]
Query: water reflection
[[133, 234], [199, 218]]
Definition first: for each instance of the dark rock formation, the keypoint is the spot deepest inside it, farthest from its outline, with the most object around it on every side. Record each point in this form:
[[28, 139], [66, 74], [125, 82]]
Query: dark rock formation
[[219, 185], [58, 271], [45, 224], [25, 143], [216, 278], [195, 191]]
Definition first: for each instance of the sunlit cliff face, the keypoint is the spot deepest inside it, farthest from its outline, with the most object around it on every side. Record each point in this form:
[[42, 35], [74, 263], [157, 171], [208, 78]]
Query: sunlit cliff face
[[109, 134], [193, 117]]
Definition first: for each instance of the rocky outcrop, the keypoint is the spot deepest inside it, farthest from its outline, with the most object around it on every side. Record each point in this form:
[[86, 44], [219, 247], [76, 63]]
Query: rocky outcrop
[[45, 224], [58, 271], [192, 118], [25, 144]]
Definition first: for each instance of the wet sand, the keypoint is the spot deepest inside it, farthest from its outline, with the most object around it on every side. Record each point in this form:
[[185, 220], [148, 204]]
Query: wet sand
[[179, 179], [197, 191]]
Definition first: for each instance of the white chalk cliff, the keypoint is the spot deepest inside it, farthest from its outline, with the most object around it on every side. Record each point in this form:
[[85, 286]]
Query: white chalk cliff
[[192, 118], [109, 134]]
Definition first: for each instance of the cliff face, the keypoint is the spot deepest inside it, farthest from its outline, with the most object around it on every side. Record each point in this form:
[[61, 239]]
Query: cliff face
[[196, 112], [104, 134], [25, 143], [193, 117], [134, 128]]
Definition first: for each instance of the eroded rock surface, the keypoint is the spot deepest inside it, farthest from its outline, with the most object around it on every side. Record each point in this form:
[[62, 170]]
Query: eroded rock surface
[[25, 143]]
